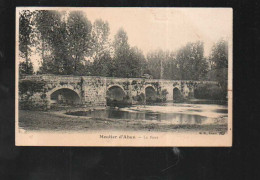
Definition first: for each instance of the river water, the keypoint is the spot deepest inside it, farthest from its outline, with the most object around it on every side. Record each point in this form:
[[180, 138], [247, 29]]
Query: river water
[[170, 113]]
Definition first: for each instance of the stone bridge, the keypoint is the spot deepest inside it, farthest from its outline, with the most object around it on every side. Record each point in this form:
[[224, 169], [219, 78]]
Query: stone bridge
[[47, 90]]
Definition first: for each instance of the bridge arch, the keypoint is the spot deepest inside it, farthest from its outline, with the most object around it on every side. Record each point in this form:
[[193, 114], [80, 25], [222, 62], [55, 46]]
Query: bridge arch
[[116, 85], [176, 94], [115, 95], [64, 95], [150, 93]]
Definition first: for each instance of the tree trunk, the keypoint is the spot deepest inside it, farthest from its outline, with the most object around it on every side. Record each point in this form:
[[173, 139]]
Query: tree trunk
[[161, 70], [43, 49], [75, 64], [26, 62]]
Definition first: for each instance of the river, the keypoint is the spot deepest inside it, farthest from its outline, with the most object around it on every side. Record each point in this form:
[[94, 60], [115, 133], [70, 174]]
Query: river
[[166, 113]]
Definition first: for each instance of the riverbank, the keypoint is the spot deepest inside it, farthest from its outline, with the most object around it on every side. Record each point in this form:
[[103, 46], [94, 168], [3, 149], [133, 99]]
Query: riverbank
[[206, 101]]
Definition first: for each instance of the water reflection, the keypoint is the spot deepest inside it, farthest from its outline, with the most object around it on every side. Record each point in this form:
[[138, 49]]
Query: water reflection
[[170, 113], [173, 118]]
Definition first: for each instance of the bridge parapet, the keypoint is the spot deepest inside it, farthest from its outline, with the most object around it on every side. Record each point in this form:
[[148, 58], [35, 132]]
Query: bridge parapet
[[71, 78], [51, 78]]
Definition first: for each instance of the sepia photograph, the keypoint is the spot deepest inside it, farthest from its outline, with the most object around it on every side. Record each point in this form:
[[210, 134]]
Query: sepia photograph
[[135, 77]]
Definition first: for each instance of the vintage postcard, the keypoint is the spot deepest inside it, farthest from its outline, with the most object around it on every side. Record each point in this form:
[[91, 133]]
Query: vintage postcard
[[137, 77]]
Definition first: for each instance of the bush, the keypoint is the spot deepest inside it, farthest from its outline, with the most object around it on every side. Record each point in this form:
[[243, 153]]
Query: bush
[[139, 98], [116, 103], [27, 90], [31, 86], [209, 91]]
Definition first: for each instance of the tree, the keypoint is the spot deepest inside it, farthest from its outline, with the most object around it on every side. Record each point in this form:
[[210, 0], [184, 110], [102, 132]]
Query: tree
[[170, 70], [162, 64], [100, 34], [102, 66], [128, 61], [25, 30], [137, 62], [154, 59], [101, 48], [191, 62], [53, 34], [219, 64], [79, 38], [219, 55], [47, 66], [121, 55], [68, 38]]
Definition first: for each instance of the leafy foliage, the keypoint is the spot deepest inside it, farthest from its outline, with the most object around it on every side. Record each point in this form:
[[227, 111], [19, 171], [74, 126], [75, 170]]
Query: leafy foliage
[[121, 54], [219, 65], [25, 41], [101, 44], [213, 92], [102, 66], [154, 63], [128, 61], [101, 49], [137, 62], [219, 55], [162, 64], [188, 63], [70, 44], [30, 87], [53, 33], [69, 41], [191, 62], [25, 68], [79, 40]]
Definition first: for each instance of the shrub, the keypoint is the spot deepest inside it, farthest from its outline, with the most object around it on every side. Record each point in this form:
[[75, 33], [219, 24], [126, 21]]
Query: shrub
[[164, 94], [209, 91], [31, 86], [27, 90]]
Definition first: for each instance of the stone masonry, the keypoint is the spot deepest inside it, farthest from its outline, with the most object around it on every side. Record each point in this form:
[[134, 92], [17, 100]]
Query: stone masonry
[[92, 91]]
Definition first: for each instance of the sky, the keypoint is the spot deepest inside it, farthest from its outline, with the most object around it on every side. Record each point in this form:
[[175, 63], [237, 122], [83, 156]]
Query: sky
[[163, 28], [167, 28]]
